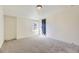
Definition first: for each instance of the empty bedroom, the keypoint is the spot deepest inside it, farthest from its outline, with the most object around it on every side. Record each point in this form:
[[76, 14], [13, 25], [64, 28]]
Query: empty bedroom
[[39, 29]]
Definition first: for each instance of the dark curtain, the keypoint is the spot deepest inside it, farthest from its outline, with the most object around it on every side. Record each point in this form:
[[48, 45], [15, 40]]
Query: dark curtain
[[44, 26]]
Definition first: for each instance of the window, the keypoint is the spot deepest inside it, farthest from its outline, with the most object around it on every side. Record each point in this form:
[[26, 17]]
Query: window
[[36, 27]]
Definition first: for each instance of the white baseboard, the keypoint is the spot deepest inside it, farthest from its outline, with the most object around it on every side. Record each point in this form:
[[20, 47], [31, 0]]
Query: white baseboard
[[1, 43]]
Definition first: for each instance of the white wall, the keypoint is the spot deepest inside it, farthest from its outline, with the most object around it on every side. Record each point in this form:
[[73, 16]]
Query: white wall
[[17, 27], [64, 25], [24, 27], [1, 27], [10, 27]]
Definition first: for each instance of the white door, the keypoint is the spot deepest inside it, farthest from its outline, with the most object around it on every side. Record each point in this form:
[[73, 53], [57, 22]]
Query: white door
[[10, 27]]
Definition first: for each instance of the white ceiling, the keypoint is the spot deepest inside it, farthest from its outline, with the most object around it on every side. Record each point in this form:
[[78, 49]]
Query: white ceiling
[[30, 11]]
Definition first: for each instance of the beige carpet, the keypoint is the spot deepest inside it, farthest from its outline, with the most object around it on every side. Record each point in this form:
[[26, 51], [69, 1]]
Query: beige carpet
[[38, 45]]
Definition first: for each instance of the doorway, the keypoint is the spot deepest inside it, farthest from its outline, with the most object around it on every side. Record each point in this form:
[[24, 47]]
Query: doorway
[[10, 27]]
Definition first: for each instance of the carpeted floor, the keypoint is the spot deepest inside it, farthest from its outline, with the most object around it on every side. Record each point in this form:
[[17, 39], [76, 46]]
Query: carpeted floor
[[38, 45]]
